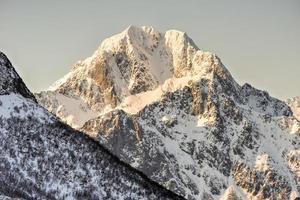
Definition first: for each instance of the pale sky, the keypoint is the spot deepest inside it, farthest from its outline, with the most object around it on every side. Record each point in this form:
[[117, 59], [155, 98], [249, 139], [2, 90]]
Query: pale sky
[[258, 41]]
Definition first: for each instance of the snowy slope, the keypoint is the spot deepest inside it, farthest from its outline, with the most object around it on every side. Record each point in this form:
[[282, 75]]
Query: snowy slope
[[175, 112], [42, 158], [73, 110]]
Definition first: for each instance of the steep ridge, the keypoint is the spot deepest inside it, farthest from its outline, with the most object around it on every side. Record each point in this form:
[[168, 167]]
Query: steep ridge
[[10, 81], [169, 109], [42, 158]]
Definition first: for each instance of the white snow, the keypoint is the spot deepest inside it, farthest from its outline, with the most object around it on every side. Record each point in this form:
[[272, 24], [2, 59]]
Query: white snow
[[261, 163], [134, 103], [73, 110], [15, 105]]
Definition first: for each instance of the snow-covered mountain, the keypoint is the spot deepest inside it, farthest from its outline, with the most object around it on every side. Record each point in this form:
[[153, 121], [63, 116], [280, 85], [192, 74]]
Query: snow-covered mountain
[[173, 111], [294, 103], [43, 158]]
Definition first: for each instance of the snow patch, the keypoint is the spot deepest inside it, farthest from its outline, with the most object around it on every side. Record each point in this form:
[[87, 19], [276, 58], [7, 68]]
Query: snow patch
[[15, 105]]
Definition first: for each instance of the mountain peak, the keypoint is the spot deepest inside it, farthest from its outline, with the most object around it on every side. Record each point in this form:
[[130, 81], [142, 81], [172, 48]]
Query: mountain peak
[[135, 29], [10, 81], [136, 61], [146, 37], [163, 54], [175, 112], [150, 31], [4, 60], [177, 36]]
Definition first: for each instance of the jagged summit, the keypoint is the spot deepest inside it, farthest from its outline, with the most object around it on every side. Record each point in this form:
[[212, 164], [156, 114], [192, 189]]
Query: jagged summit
[[145, 37], [140, 52], [138, 60], [4, 60], [10, 81], [173, 111]]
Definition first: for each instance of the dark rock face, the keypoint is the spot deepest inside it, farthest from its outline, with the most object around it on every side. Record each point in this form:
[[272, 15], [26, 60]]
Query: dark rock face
[[10, 81], [264, 185], [42, 158]]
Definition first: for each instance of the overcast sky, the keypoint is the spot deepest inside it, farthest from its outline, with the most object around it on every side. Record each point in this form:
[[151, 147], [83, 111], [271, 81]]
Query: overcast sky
[[258, 41]]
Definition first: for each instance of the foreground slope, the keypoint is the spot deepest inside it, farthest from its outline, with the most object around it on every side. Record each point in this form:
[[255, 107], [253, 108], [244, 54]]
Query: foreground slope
[[175, 112], [42, 158]]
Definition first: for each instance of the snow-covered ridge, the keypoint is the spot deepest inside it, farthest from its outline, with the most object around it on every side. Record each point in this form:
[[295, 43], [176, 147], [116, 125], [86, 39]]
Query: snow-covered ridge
[[10, 81], [175, 112], [43, 158], [77, 110]]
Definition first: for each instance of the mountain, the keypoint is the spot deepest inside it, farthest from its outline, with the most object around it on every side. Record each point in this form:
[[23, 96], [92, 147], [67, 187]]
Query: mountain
[[43, 158], [294, 103], [175, 112]]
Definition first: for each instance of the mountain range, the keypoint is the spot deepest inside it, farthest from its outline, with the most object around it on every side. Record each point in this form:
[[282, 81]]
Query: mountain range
[[148, 116], [174, 112]]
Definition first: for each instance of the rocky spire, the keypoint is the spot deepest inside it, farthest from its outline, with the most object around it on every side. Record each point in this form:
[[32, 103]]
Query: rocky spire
[[10, 81]]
